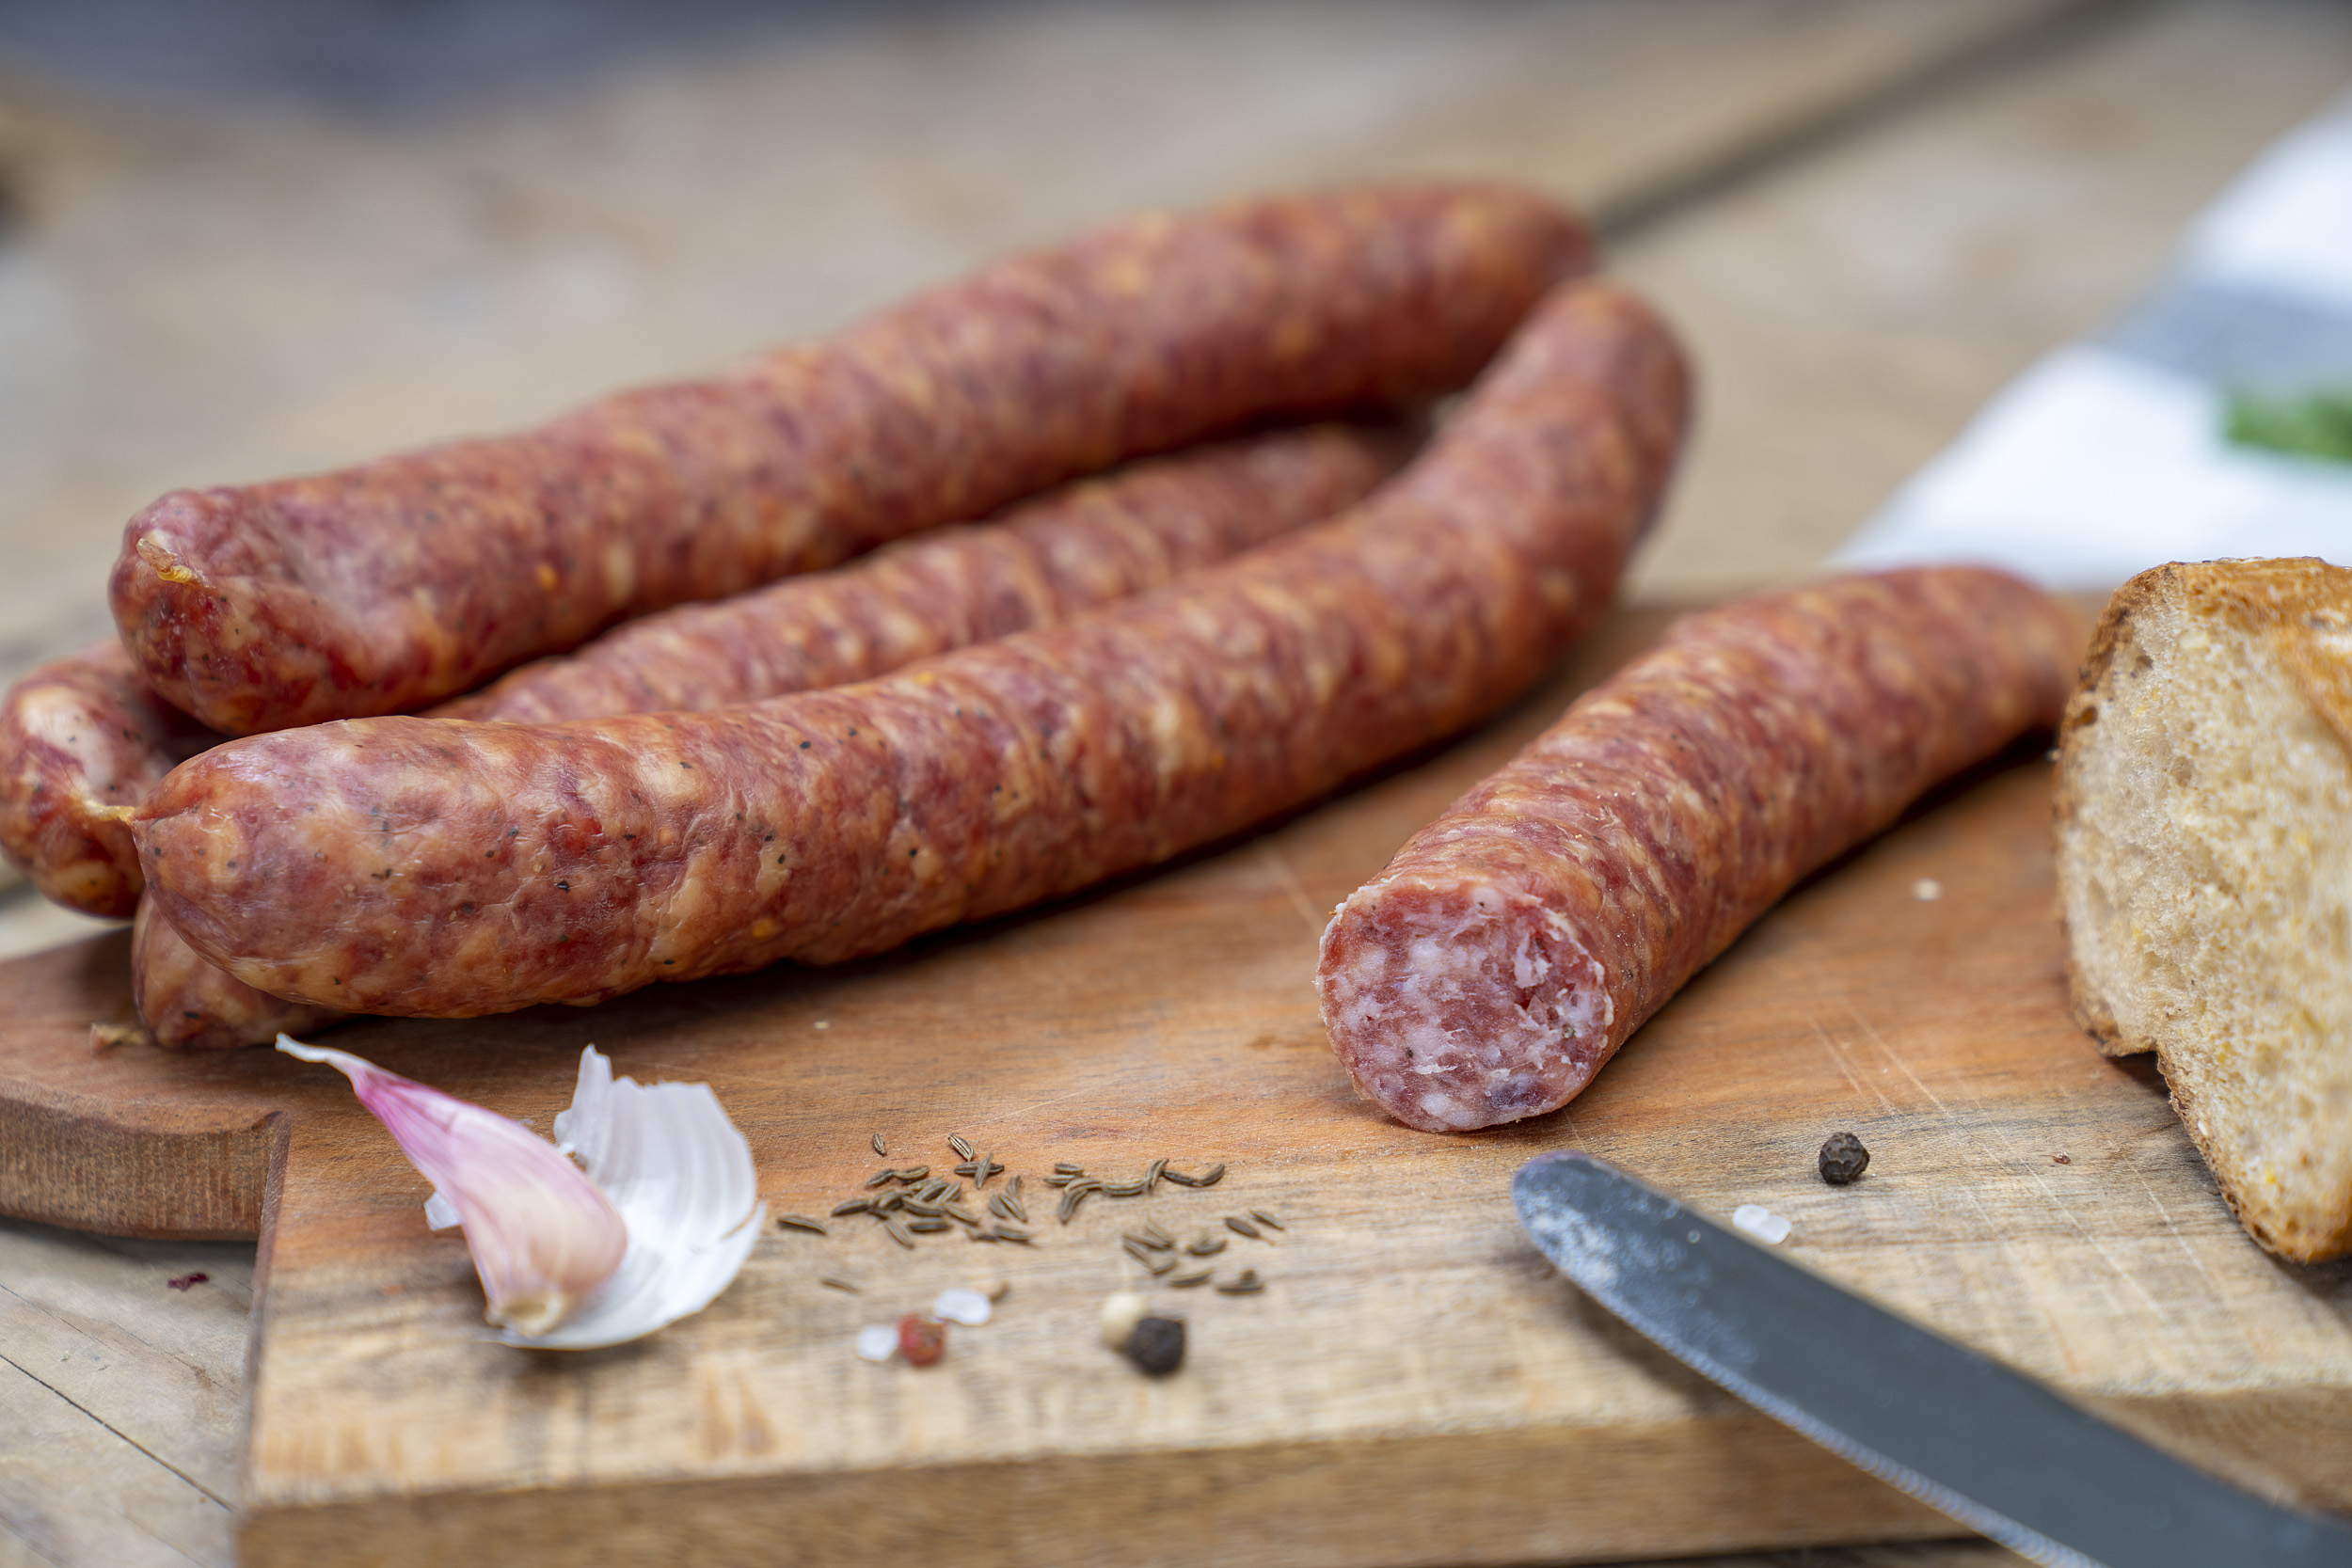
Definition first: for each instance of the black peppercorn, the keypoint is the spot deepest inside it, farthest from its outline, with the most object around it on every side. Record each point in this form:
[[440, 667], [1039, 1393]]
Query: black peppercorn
[[1157, 1345], [1843, 1158]]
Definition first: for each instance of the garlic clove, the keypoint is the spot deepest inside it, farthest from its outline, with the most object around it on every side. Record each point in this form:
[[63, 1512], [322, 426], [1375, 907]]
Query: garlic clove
[[545, 1240], [682, 1177]]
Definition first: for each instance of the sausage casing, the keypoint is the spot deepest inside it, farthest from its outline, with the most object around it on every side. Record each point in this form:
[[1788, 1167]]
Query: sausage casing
[[82, 740], [1080, 545], [388, 586], [439, 867], [1518, 941], [1045, 560]]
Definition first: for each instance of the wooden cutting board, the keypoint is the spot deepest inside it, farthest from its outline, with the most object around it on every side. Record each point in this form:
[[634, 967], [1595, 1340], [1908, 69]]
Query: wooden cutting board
[[1414, 1384]]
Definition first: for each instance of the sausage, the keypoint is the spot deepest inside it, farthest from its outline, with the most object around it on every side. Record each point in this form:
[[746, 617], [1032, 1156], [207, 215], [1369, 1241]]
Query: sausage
[[1516, 941], [1082, 544], [82, 740], [388, 586], [446, 868], [188, 1003], [1086, 543]]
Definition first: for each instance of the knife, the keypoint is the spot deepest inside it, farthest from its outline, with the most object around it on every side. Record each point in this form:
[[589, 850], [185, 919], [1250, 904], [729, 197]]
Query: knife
[[1965, 1434]]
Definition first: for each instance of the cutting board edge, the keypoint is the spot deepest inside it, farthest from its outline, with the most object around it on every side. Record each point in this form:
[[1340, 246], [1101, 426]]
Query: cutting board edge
[[1749, 1484]]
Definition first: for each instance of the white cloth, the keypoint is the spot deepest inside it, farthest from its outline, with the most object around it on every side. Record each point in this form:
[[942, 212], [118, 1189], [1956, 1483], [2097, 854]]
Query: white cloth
[[2108, 458]]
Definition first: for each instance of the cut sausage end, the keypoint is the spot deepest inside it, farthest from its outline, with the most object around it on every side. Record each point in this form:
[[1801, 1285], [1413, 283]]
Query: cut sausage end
[[1462, 1004]]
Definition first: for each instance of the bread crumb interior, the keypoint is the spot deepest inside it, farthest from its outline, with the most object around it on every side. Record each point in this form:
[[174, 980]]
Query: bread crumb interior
[[2206, 873]]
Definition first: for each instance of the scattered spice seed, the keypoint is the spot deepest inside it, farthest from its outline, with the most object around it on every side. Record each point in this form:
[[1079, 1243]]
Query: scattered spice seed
[[914, 1173], [887, 1202], [982, 1233], [1156, 1345], [1843, 1160], [880, 1178], [1210, 1178], [898, 1233], [1195, 1276], [1265, 1218], [1013, 1206], [853, 1205], [960, 1214], [1240, 1226], [1011, 1233], [996, 1289], [924, 1207], [1063, 1167], [1074, 1194], [2060, 1159], [932, 1192], [922, 1340], [1247, 1283], [802, 1222], [1158, 1262], [1152, 1176], [1122, 1189], [955, 1141], [1207, 1244], [878, 1147], [1154, 1235], [838, 1284], [927, 1227]]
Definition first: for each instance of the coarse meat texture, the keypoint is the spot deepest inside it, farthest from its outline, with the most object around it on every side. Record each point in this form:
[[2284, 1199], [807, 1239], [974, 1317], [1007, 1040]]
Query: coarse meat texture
[[1516, 941], [388, 586], [1078, 545], [1044, 560], [82, 740], [2204, 862], [446, 868]]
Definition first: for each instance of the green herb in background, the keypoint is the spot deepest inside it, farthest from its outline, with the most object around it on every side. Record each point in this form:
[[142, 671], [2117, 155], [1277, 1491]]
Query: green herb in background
[[2310, 424]]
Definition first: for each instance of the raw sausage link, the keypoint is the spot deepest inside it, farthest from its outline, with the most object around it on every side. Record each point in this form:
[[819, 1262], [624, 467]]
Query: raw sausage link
[[1516, 941], [385, 587], [439, 867], [187, 1002], [1081, 546], [83, 739], [1084, 543]]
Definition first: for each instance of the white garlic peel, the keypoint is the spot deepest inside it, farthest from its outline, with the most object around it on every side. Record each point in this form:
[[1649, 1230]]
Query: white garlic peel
[[876, 1342], [960, 1304], [666, 1160], [682, 1177]]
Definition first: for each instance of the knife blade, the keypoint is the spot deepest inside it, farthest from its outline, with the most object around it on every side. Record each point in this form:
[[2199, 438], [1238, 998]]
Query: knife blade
[[1963, 1434]]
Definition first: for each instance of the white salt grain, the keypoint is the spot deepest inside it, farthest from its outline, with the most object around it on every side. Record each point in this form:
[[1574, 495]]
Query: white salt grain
[[876, 1342], [960, 1305], [1927, 890], [1760, 1223]]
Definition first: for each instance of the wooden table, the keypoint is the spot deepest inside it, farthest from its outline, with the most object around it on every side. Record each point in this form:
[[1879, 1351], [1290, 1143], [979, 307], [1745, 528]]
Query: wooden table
[[1867, 216]]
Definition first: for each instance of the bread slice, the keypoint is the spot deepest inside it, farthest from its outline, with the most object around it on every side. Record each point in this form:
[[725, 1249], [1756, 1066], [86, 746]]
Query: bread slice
[[2205, 853]]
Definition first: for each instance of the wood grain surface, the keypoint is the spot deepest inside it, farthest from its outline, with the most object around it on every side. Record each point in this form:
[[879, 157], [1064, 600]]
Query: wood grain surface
[[1414, 1384]]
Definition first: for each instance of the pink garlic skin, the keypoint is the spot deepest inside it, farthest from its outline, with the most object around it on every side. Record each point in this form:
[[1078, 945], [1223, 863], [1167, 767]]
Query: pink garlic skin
[[544, 1238]]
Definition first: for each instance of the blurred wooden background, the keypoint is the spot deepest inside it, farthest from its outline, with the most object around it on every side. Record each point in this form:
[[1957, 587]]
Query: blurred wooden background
[[250, 239]]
